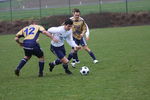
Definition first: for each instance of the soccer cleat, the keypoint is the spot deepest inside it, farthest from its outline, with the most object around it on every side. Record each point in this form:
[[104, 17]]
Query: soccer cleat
[[73, 64], [51, 65], [17, 72], [77, 61], [68, 72], [40, 75], [95, 61]]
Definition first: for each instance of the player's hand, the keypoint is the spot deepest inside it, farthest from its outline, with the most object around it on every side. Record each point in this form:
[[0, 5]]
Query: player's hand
[[55, 40], [21, 44], [77, 48], [81, 35]]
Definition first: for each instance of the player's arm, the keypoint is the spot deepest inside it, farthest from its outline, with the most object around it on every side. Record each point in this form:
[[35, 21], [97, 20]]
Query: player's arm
[[87, 30], [53, 31], [72, 43], [18, 41], [48, 34], [84, 29], [87, 34], [18, 36]]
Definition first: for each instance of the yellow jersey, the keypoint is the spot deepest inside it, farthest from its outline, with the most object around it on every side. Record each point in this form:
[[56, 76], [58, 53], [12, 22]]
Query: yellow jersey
[[79, 27], [30, 32]]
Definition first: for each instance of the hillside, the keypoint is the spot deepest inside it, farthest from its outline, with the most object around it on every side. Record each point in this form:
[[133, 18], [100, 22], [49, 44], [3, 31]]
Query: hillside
[[95, 20]]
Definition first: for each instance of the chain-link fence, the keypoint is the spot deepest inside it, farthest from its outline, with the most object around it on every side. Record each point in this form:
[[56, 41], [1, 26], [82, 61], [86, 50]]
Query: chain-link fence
[[23, 9]]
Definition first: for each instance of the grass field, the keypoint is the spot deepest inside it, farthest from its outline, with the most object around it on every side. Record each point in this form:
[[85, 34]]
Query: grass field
[[122, 74], [133, 6]]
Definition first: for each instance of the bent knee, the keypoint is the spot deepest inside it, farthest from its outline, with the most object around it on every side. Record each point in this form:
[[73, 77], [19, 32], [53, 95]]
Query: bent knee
[[27, 57], [64, 60], [86, 48]]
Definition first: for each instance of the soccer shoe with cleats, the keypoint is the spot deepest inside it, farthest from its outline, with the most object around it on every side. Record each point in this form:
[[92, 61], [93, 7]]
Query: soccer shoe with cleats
[[77, 61], [95, 61], [68, 72], [40, 75], [17, 72], [73, 64], [51, 65]]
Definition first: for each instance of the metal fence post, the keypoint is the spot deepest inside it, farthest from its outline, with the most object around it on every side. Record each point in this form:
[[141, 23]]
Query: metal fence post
[[10, 11], [127, 6], [100, 6], [69, 7], [40, 9]]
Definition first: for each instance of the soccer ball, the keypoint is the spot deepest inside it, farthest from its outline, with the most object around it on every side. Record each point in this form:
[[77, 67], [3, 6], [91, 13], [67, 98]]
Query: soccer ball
[[84, 70]]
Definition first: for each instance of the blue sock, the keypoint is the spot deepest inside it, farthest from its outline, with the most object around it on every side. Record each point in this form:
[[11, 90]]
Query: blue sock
[[92, 55], [65, 66], [21, 64], [75, 56], [57, 62], [41, 66], [70, 56], [77, 59]]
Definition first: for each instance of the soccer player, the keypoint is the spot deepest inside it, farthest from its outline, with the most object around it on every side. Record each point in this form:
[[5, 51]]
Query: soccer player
[[62, 33], [30, 45], [80, 29]]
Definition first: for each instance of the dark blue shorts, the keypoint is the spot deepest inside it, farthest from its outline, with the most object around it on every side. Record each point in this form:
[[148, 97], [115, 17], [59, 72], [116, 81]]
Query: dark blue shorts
[[81, 42], [36, 50], [60, 52]]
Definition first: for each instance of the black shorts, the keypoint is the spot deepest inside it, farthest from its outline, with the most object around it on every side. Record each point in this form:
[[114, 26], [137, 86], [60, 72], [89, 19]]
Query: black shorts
[[60, 52], [81, 42], [34, 51]]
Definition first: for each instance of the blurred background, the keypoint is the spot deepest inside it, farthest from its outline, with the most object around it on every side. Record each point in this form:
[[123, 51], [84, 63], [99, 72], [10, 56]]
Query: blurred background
[[30, 9]]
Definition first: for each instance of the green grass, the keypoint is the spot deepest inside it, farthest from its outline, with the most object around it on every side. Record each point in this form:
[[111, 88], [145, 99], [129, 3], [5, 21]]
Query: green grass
[[122, 74], [134, 6], [5, 5]]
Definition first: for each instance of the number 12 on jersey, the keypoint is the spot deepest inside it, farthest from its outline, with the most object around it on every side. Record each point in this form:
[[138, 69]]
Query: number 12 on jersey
[[29, 31]]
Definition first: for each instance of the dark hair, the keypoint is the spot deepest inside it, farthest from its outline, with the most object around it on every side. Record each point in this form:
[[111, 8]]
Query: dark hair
[[75, 10], [68, 21]]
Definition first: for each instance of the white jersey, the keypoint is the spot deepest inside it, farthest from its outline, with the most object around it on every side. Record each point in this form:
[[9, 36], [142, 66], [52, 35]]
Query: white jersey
[[61, 34]]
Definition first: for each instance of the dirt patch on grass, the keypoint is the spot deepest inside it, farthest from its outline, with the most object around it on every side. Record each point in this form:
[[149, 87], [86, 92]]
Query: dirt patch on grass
[[93, 20]]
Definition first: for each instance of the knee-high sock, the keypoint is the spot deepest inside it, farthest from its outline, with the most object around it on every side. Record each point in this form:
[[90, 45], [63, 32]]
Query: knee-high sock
[[22, 63], [41, 66], [65, 66], [70, 56], [92, 55], [75, 56], [56, 62]]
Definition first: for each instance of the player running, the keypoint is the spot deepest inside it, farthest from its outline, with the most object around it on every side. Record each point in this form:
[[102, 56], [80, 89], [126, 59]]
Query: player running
[[30, 45], [79, 29], [62, 33]]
